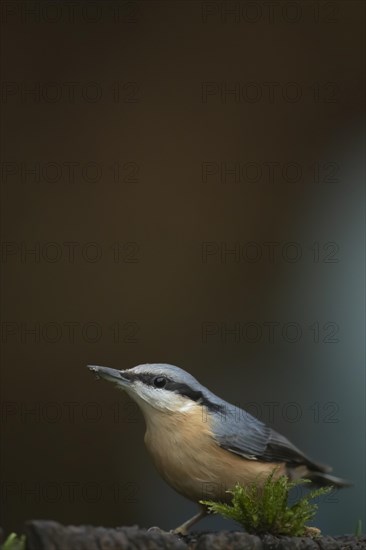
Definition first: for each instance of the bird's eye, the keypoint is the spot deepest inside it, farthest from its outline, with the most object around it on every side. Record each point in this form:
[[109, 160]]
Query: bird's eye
[[159, 381]]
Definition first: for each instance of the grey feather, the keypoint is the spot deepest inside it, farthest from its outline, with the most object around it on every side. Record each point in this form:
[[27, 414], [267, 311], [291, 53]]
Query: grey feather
[[243, 434]]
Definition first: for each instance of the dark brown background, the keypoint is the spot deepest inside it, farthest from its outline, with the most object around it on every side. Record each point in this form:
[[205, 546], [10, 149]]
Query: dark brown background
[[72, 449]]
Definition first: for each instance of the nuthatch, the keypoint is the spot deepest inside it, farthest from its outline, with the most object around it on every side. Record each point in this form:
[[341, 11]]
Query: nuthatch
[[200, 444]]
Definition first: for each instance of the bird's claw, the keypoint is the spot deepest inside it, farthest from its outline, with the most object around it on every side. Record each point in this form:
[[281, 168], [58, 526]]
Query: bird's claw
[[179, 531]]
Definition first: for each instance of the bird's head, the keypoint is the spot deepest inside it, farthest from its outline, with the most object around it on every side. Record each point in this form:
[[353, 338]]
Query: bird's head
[[158, 386]]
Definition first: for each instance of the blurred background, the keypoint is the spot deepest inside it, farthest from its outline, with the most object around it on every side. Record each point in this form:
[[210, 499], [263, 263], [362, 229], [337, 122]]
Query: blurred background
[[181, 182]]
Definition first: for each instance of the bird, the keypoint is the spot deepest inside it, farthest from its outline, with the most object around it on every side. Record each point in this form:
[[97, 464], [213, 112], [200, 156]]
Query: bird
[[201, 445]]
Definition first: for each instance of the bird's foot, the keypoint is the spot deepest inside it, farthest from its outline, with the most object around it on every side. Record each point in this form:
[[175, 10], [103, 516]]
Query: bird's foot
[[178, 531], [182, 531]]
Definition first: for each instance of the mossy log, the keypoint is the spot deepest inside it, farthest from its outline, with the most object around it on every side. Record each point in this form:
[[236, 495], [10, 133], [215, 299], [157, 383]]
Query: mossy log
[[50, 535]]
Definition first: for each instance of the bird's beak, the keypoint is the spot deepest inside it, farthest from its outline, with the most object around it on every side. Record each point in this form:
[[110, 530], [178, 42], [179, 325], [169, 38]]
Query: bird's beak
[[111, 375]]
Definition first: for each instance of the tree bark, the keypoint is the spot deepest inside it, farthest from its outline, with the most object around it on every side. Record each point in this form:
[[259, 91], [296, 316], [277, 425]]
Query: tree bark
[[50, 535]]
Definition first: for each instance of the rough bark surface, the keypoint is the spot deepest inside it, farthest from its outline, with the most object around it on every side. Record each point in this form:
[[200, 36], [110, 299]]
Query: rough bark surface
[[50, 535]]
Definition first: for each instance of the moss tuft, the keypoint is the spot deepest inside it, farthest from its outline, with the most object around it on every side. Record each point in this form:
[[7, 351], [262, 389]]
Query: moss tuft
[[264, 508], [13, 542]]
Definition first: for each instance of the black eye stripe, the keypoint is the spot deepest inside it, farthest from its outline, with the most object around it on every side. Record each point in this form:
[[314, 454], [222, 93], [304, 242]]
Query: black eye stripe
[[184, 389], [150, 378], [177, 387]]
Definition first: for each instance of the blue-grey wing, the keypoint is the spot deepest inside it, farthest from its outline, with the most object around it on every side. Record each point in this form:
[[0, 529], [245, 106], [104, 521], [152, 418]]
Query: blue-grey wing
[[245, 435]]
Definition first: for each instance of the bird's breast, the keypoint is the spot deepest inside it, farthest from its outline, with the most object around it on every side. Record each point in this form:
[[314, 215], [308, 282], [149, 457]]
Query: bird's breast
[[187, 456]]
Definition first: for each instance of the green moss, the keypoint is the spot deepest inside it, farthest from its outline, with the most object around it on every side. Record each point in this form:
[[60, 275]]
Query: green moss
[[13, 542], [264, 509]]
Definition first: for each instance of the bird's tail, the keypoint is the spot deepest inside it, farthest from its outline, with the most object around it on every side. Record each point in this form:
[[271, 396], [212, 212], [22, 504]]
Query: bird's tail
[[323, 479]]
